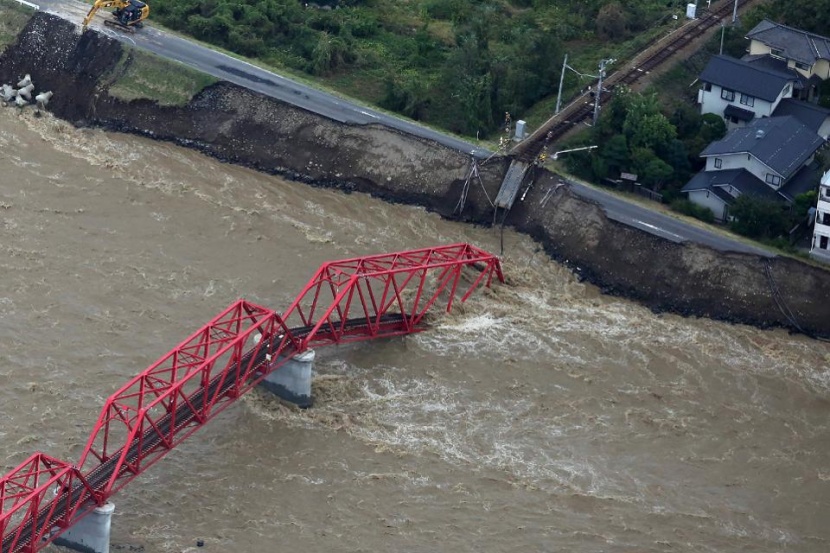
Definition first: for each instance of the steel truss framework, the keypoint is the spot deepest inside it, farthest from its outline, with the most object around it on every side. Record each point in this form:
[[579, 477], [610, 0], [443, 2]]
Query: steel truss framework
[[346, 301]]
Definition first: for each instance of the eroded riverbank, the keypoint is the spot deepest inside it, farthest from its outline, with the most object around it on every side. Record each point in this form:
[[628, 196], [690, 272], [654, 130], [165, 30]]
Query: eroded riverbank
[[239, 126]]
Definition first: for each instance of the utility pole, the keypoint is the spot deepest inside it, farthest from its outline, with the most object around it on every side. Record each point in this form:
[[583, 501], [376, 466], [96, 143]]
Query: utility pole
[[561, 80], [722, 31], [735, 14], [598, 93]]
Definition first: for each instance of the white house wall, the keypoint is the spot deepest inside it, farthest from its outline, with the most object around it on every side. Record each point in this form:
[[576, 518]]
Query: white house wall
[[711, 102], [740, 161], [786, 92], [709, 200], [758, 48], [823, 205], [821, 229], [822, 69], [817, 251]]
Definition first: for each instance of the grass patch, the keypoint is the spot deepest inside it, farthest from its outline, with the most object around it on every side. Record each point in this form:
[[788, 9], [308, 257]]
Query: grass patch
[[13, 17], [141, 74]]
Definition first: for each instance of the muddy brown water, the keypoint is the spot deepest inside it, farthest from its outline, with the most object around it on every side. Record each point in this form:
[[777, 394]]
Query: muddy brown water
[[542, 416]]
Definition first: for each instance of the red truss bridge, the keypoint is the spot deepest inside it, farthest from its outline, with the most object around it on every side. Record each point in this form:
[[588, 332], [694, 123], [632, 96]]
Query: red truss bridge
[[346, 301]]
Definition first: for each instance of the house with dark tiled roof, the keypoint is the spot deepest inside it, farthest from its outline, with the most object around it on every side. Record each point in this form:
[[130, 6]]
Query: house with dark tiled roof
[[807, 53], [805, 88], [740, 91], [772, 158], [813, 116]]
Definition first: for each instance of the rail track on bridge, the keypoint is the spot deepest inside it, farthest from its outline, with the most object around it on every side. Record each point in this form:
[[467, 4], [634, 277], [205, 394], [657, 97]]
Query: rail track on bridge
[[345, 301], [657, 53]]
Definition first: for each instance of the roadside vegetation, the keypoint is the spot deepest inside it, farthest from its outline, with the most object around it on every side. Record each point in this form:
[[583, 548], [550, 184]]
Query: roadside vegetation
[[635, 135], [659, 134], [13, 17], [140, 74], [455, 64]]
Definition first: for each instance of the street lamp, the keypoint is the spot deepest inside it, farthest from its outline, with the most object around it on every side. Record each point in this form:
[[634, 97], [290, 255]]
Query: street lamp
[[555, 156]]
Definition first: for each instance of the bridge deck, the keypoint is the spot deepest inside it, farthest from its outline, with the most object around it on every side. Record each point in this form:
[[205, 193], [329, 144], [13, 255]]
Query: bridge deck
[[510, 186]]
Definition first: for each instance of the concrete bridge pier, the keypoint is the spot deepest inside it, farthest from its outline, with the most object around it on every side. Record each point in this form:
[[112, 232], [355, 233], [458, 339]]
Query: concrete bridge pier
[[91, 534], [292, 381]]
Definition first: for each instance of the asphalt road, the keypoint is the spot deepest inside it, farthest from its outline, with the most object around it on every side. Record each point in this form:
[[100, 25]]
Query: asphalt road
[[276, 86], [657, 223]]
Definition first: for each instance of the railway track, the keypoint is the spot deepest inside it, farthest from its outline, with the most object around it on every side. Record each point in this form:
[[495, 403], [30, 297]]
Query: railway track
[[657, 53]]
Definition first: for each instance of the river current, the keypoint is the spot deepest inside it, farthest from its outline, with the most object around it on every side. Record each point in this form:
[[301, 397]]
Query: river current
[[540, 416]]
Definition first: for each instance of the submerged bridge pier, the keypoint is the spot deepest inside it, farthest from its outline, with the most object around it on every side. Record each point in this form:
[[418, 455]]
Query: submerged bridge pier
[[45, 499], [293, 381]]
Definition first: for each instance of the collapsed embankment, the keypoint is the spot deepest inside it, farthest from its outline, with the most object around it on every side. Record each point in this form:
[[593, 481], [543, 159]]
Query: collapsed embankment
[[240, 126]]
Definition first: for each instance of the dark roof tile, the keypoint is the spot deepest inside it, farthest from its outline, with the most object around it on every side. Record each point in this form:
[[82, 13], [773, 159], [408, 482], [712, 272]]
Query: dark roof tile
[[805, 180], [718, 182], [781, 143], [810, 115], [745, 77], [795, 44]]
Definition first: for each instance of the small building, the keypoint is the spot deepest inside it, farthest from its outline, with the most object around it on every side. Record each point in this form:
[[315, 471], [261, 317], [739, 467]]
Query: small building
[[740, 91], [771, 158], [820, 249]]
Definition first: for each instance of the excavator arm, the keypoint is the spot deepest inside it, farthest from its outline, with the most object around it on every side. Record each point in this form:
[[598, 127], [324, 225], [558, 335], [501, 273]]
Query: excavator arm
[[127, 13]]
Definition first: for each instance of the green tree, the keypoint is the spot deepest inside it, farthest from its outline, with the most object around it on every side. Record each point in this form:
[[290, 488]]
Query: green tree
[[613, 115], [651, 170], [612, 22], [757, 218], [801, 206], [645, 126], [329, 54], [615, 152], [712, 128], [407, 93], [599, 168], [640, 158], [678, 158], [687, 120], [808, 15], [465, 92], [656, 173]]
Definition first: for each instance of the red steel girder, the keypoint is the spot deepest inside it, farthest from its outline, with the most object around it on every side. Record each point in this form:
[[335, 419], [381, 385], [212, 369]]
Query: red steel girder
[[390, 293], [39, 499], [181, 391], [346, 301]]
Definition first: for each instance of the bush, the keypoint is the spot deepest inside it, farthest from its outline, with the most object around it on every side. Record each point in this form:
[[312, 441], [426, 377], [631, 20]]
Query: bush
[[780, 243], [687, 207], [756, 218]]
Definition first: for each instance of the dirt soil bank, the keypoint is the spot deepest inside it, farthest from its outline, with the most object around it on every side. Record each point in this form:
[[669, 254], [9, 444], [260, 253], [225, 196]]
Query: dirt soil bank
[[240, 126]]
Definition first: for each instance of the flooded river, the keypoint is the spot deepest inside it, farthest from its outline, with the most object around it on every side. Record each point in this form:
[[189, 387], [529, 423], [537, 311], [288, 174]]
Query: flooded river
[[542, 416]]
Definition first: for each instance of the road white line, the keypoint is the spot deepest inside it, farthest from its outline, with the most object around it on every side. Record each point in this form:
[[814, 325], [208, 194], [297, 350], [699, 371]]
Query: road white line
[[366, 113], [33, 6], [658, 229]]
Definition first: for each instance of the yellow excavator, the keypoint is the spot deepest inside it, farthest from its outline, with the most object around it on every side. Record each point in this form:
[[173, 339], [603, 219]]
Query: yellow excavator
[[127, 15]]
